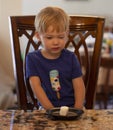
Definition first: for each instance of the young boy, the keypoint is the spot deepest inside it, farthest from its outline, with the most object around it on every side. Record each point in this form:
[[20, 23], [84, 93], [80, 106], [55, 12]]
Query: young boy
[[54, 72]]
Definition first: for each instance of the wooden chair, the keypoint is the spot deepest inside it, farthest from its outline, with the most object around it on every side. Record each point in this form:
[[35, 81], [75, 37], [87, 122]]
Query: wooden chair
[[82, 29]]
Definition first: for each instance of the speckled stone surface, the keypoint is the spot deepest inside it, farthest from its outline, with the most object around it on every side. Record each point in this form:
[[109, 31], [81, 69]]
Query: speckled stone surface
[[38, 120]]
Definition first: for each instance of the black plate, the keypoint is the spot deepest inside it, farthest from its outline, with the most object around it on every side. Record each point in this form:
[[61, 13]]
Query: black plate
[[71, 115]]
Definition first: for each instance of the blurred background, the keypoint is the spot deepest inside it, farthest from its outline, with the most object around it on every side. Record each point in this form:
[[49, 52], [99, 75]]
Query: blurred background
[[31, 7]]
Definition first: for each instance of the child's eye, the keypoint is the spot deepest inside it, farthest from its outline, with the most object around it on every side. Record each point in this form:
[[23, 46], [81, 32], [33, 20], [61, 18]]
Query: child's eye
[[49, 37], [61, 37]]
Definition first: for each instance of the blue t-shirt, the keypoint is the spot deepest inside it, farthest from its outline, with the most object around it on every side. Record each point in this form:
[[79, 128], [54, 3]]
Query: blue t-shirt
[[68, 68]]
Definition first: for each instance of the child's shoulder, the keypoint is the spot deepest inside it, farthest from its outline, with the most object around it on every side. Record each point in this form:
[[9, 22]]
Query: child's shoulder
[[35, 52], [67, 52]]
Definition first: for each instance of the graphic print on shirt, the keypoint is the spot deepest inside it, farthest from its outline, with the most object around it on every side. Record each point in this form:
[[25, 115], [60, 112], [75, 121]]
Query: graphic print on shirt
[[54, 78]]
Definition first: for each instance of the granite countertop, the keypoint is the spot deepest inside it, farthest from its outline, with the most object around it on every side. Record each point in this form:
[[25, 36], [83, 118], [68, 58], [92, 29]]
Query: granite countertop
[[38, 120]]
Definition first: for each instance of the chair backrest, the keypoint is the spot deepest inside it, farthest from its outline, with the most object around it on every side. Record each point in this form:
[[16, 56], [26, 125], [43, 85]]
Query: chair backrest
[[85, 39]]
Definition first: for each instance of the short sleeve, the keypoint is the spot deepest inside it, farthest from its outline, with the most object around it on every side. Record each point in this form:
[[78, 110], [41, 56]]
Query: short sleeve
[[76, 68], [30, 66]]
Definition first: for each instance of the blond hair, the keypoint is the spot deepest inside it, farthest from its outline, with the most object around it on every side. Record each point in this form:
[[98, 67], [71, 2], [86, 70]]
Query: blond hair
[[52, 16]]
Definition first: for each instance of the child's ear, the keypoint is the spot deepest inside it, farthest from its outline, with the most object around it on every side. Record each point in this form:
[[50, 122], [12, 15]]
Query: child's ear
[[37, 36], [67, 33]]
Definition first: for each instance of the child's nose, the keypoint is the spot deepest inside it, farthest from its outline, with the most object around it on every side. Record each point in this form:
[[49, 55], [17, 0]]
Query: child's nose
[[56, 41]]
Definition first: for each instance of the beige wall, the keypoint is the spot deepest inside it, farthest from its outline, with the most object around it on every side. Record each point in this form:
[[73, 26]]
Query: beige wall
[[7, 8], [103, 7]]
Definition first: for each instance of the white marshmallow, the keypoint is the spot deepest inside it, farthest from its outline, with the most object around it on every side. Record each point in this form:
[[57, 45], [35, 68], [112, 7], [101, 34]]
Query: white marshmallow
[[64, 110]]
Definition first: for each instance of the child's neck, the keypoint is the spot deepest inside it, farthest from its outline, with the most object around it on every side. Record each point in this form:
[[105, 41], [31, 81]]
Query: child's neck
[[50, 55]]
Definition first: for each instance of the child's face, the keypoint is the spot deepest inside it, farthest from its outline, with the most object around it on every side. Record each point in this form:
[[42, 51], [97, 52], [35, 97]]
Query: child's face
[[53, 41]]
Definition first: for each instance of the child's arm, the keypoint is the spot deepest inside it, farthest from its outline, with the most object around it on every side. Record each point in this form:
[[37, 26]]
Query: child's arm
[[40, 93], [79, 92]]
